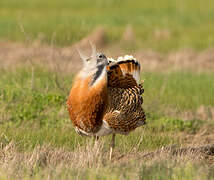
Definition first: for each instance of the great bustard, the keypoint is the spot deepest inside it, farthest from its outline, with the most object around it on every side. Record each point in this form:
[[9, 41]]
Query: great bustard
[[106, 96]]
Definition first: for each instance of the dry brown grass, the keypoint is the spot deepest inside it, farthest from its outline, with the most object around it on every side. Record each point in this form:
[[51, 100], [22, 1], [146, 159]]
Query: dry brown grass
[[184, 60], [17, 164], [205, 113], [12, 54]]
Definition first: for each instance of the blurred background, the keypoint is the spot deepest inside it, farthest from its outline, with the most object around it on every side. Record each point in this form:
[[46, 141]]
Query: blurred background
[[162, 25], [173, 40], [174, 30]]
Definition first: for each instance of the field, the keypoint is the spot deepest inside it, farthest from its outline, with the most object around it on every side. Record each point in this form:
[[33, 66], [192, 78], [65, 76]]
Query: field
[[175, 43], [176, 24]]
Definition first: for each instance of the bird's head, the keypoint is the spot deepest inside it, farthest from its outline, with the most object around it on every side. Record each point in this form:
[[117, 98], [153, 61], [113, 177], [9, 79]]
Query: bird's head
[[94, 62]]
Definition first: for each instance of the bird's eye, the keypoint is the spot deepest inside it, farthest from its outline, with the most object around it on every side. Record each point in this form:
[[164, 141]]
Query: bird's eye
[[101, 56]]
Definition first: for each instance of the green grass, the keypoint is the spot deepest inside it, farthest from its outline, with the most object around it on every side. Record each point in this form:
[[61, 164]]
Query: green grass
[[37, 140], [179, 90], [38, 116], [33, 116], [189, 23]]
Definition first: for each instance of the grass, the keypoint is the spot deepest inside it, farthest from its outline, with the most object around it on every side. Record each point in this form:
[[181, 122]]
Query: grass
[[37, 133], [91, 163], [188, 24], [180, 90], [38, 116], [37, 140]]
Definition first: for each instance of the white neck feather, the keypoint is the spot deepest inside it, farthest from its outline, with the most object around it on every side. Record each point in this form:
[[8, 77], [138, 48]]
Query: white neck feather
[[96, 73]]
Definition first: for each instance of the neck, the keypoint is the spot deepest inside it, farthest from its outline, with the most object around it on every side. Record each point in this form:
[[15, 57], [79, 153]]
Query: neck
[[88, 100], [99, 74]]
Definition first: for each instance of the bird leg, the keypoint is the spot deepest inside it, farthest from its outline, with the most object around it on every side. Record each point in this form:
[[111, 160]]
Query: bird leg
[[96, 138], [112, 146]]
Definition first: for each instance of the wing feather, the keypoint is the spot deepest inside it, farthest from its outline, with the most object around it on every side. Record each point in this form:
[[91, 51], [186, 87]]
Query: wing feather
[[123, 72], [124, 112]]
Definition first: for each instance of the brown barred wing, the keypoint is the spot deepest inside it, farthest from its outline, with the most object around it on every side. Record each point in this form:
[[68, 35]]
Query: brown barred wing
[[123, 74], [125, 112]]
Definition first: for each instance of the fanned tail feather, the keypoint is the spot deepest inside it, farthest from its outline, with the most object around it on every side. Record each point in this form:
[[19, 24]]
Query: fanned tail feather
[[123, 72]]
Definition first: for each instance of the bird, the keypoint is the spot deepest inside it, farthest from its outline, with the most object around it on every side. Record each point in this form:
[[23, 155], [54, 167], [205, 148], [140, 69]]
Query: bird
[[106, 96]]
